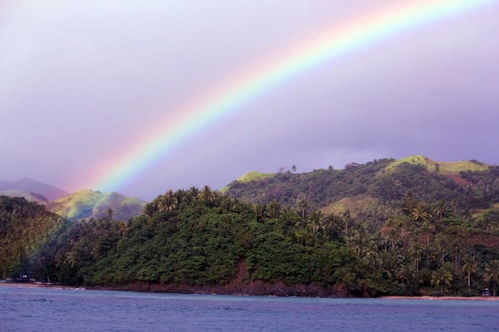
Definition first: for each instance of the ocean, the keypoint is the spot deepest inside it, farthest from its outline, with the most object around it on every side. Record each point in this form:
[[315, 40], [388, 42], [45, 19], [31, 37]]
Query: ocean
[[52, 309]]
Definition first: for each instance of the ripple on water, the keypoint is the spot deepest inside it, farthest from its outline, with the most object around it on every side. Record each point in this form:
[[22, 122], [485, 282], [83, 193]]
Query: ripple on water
[[53, 310]]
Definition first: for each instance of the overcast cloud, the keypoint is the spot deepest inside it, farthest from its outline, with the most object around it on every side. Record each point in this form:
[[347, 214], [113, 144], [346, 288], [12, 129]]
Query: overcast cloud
[[80, 78]]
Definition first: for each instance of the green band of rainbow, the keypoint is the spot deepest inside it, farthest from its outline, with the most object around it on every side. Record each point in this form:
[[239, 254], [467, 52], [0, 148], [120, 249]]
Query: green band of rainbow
[[331, 44]]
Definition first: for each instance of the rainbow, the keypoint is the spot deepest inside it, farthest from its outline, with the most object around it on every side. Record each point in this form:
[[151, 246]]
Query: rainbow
[[331, 44]]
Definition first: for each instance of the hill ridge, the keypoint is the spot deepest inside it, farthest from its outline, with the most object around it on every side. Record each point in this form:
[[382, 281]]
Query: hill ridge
[[27, 184], [469, 184], [87, 203], [445, 166]]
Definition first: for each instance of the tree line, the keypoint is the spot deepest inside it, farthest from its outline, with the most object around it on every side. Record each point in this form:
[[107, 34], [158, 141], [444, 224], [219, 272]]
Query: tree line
[[200, 237]]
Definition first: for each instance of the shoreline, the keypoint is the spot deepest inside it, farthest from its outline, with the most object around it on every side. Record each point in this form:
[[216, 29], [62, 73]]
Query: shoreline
[[442, 298], [33, 285], [388, 297]]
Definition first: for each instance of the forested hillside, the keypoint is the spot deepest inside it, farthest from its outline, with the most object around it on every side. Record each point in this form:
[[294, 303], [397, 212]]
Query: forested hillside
[[374, 189], [24, 228], [202, 241], [385, 227]]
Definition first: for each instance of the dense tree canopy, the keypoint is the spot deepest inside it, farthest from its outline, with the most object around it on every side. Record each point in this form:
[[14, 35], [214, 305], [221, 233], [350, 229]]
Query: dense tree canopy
[[24, 227], [424, 233]]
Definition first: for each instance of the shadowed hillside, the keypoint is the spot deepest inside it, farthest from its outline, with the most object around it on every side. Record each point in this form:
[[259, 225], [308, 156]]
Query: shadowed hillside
[[24, 228], [29, 196], [32, 186]]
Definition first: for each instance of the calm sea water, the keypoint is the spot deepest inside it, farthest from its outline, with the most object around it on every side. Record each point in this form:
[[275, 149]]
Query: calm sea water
[[47, 309]]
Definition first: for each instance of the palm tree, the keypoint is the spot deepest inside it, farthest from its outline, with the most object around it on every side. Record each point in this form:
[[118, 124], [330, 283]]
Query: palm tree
[[193, 193], [303, 206], [469, 267], [314, 221], [260, 211], [355, 242], [168, 201], [440, 210], [150, 209], [442, 247], [409, 202], [459, 246], [441, 278], [418, 213], [274, 209], [206, 194], [393, 237], [417, 250], [181, 196], [330, 226], [347, 218], [492, 273], [406, 274]]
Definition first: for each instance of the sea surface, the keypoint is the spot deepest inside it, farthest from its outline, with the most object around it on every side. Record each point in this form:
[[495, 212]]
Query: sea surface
[[49, 309]]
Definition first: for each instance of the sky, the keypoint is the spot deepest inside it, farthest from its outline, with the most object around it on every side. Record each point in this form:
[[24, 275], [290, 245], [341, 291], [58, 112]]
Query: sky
[[81, 81]]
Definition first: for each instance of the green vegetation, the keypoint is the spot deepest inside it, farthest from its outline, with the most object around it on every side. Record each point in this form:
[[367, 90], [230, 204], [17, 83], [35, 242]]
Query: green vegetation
[[24, 227], [383, 183], [94, 204], [407, 232], [442, 167], [248, 177], [357, 206], [254, 176], [413, 160]]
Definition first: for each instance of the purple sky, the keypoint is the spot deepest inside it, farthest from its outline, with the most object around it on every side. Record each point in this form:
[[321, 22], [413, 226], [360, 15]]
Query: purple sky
[[79, 80]]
